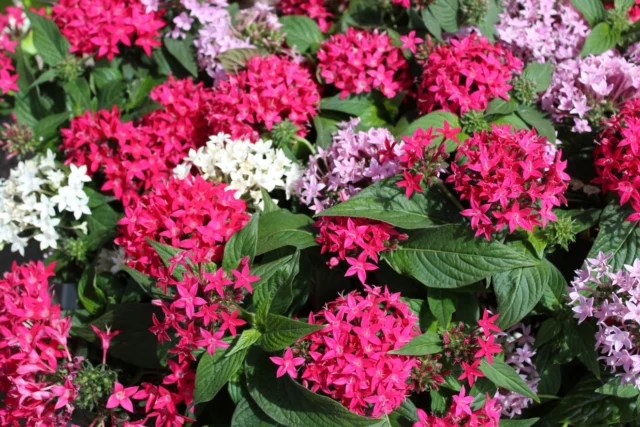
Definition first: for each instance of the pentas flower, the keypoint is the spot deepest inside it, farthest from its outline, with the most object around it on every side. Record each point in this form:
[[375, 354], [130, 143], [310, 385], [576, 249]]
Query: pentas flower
[[518, 345], [613, 298], [542, 30], [16, 139], [188, 213], [349, 359], [103, 26], [461, 414], [617, 157], [361, 61], [511, 178], [135, 156], [34, 347], [270, 90], [105, 339], [586, 91], [416, 4], [465, 74], [318, 10], [12, 27]]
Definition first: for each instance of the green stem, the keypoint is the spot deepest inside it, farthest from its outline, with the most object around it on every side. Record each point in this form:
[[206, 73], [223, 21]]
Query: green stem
[[453, 199]]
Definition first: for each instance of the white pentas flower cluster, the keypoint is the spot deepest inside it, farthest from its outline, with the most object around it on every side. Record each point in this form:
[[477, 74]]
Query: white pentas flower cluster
[[613, 298], [34, 198], [517, 343], [244, 165]]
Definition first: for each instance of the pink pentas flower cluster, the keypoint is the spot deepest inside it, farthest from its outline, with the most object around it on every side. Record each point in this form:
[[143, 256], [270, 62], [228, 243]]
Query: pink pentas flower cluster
[[318, 10], [612, 297], [407, 4], [511, 178], [518, 345], [135, 156], [349, 359], [461, 413], [422, 160], [101, 26], [360, 61], [11, 24], [542, 30], [33, 347], [356, 241], [585, 91], [270, 90], [465, 74], [617, 157], [189, 213]]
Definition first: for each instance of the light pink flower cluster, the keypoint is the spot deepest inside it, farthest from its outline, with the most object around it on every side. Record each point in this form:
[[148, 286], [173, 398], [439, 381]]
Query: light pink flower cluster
[[270, 90], [189, 213], [517, 344], [617, 156], [33, 347], [100, 26], [353, 161], [613, 298], [542, 30], [461, 414], [510, 177], [361, 61], [465, 74], [587, 90], [135, 156], [349, 359]]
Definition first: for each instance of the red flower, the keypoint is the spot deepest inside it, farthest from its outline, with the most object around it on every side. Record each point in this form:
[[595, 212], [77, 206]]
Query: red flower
[[360, 61], [411, 183], [105, 339], [465, 74], [121, 397]]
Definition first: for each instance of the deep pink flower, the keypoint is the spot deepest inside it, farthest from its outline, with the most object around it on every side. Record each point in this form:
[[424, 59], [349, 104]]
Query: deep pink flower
[[287, 364], [105, 339], [121, 397]]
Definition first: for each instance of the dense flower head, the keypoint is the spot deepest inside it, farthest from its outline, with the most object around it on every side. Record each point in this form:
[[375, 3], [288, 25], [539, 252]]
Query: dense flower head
[[188, 213], [16, 139], [12, 27], [360, 61], [101, 26], [356, 241], [34, 200], [518, 346], [587, 90], [617, 156], [613, 298], [270, 90], [465, 74], [354, 160], [244, 165], [462, 414], [542, 30], [349, 359], [34, 348], [510, 177], [261, 26], [135, 156], [318, 10]]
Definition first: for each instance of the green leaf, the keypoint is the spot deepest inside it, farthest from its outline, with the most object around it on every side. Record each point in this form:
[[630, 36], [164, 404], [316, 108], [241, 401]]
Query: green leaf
[[434, 120], [614, 388], [234, 60], [102, 219], [166, 252], [80, 95], [111, 94], [247, 339], [438, 402], [148, 284], [538, 120], [103, 75], [45, 77], [549, 330], [519, 423], [582, 343], [48, 127], [502, 107], [91, 297], [182, 51], [273, 293], [241, 244], [282, 228], [325, 128], [624, 5], [540, 74], [52, 46], [135, 344], [249, 414], [488, 25], [600, 39], [555, 289], [505, 377], [592, 10], [279, 332], [442, 304], [214, 371], [353, 104], [450, 257], [301, 32], [446, 12], [431, 23], [617, 236], [427, 343], [269, 204], [582, 405], [385, 201], [511, 119], [289, 403]]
